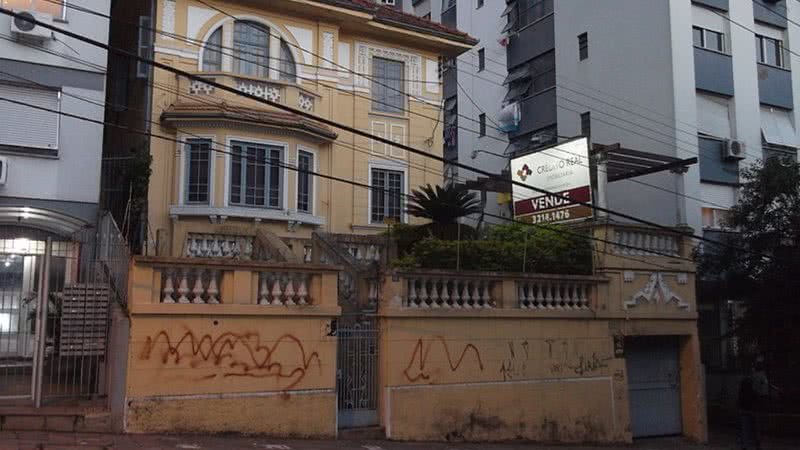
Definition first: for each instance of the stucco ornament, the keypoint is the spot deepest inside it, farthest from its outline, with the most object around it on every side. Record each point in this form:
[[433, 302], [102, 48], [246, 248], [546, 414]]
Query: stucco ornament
[[656, 292]]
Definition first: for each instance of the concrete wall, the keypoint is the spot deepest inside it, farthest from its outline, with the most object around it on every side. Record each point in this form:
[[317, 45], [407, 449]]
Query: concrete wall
[[627, 85], [237, 366]]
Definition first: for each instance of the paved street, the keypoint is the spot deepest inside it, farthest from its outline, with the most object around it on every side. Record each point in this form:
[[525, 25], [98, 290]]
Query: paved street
[[59, 441]]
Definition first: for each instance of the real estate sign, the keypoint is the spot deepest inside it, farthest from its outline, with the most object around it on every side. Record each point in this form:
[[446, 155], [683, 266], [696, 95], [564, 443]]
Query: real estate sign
[[563, 170]]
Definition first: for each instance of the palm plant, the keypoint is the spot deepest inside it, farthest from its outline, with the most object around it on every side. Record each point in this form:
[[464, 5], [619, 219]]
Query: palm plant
[[443, 206]]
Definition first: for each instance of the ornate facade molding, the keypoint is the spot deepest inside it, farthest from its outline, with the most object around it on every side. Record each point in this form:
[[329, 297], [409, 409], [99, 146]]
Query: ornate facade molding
[[656, 292], [413, 65]]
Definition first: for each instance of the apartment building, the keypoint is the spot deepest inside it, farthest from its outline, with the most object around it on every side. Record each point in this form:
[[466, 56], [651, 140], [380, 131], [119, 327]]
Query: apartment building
[[358, 63], [52, 94]]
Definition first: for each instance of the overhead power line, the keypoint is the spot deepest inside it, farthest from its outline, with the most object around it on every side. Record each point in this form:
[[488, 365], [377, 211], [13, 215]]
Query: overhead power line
[[355, 131]]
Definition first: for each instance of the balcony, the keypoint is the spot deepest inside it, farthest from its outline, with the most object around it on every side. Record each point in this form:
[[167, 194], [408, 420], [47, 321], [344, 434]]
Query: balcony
[[450, 16], [775, 86], [536, 112], [277, 91], [713, 71], [531, 41]]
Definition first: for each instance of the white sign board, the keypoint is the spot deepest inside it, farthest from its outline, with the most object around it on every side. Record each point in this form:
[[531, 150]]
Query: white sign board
[[562, 169]]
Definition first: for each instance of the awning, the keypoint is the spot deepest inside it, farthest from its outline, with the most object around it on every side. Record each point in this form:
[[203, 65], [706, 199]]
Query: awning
[[510, 7], [777, 127], [517, 90], [41, 219], [624, 163], [518, 73]]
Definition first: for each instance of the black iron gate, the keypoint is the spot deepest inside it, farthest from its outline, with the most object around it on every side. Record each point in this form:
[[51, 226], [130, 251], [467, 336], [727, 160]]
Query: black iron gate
[[357, 372]]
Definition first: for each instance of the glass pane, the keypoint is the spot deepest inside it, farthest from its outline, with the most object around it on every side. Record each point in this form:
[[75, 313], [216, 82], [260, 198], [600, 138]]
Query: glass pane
[[251, 49], [212, 53], [275, 180], [772, 53], [759, 49], [697, 35], [715, 41], [288, 71], [304, 165], [388, 94], [378, 195], [198, 170], [255, 177], [236, 175], [393, 207]]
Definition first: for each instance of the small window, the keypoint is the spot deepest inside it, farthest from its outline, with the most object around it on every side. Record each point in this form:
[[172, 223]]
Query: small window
[[770, 51], [305, 181], [387, 196], [482, 122], [145, 45], [256, 177], [715, 218], [387, 86], [480, 4], [481, 59], [708, 39], [586, 124], [198, 171], [583, 46]]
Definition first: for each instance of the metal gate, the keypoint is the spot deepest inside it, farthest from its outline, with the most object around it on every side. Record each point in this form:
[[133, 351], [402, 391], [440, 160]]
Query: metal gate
[[654, 385], [55, 295], [357, 372]]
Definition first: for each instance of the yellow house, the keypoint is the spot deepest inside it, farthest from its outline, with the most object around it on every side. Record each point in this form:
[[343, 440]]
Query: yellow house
[[226, 166]]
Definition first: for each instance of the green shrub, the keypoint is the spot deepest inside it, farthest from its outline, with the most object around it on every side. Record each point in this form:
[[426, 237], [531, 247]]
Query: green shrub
[[503, 249]]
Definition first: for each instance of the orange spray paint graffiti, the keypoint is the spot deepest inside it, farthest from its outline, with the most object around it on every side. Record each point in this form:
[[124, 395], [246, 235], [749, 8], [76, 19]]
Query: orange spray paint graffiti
[[234, 355], [417, 368]]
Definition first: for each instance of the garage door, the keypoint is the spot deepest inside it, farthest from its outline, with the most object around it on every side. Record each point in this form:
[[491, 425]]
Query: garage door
[[654, 384]]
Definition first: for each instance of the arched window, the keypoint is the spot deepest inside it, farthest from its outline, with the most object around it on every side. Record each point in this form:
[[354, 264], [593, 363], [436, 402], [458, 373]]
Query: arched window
[[288, 71], [212, 53], [250, 49]]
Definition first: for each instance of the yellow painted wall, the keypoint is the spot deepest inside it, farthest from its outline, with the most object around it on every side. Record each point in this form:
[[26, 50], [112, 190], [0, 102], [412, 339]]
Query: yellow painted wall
[[501, 379], [237, 366], [337, 97]]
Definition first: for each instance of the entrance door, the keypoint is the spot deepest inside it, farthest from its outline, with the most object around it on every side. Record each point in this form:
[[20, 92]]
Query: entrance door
[[18, 301], [357, 372], [654, 385]]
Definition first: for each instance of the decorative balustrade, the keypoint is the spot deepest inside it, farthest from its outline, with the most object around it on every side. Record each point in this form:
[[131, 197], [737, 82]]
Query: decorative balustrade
[[283, 288], [268, 91], [159, 282], [190, 285], [218, 246], [556, 294], [449, 292], [365, 253], [637, 242], [476, 291], [272, 90]]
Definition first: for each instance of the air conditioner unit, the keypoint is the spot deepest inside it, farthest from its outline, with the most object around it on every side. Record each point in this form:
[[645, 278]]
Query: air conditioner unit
[[23, 25], [733, 149], [3, 170]]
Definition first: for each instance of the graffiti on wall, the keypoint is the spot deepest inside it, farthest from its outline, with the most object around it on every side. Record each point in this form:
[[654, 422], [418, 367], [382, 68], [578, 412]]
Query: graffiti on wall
[[234, 355], [420, 366], [559, 357]]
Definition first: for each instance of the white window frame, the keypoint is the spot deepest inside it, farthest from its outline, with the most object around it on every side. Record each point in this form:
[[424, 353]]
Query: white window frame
[[704, 40], [313, 179], [781, 55], [387, 165], [229, 140], [183, 161]]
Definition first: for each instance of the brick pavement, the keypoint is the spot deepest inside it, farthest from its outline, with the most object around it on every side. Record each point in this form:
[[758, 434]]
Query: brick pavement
[[75, 441]]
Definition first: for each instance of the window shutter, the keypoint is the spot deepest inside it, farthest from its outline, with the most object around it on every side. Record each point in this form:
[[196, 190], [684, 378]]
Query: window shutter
[[24, 126]]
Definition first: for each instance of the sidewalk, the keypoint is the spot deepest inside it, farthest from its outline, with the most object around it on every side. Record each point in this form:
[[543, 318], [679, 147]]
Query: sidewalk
[[70, 441]]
